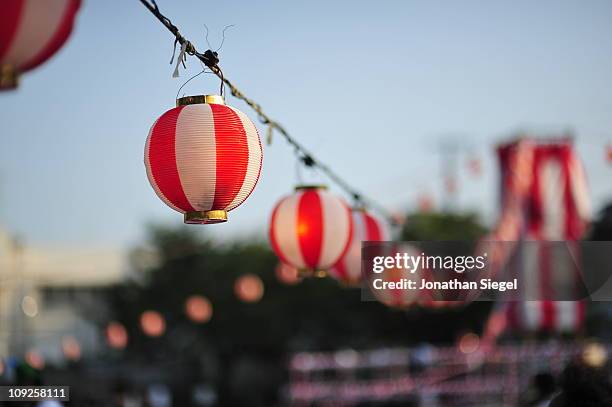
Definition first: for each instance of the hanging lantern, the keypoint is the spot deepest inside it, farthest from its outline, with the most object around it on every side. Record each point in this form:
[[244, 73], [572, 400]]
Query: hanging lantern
[[474, 167], [609, 153], [203, 158], [249, 288], [35, 359], [152, 323], [198, 309], [71, 348], [310, 229], [31, 31], [425, 203], [366, 227], [287, 274], [116, 335]]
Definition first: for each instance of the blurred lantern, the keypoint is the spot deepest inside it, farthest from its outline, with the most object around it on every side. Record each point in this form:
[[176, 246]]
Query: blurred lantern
[[249, 288], [425, 203], [35, 359], [152, 323], [595, 355], [398, 218], [31, 31], [450, 184], [198, 309], [203, 158], [400, 296], [366, 228], [71, 348], [474, 166], [287, 274], [116, 335], [609, 154], [469, 343], [310, 229]]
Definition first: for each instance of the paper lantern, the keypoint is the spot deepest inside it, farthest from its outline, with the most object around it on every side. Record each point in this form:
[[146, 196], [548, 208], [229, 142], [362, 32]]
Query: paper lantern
[[203, 158], [310, 229], [152, 323], [116, 335], [31, 31], [249, 288], [35, 359], [198, 309], [287, 274], [366, 227], [474, 166], [71, 348]]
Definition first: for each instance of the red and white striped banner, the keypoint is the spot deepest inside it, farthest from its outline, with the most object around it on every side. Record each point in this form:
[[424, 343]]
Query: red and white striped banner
[[544, 200]]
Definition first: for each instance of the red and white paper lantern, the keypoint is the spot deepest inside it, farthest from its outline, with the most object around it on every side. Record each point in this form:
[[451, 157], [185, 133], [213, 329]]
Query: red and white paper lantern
[[203, 158], [366, 227], [311, 229], [31, 31]]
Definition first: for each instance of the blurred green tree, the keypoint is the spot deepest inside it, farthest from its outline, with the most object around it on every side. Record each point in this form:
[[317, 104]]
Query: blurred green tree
[[242, 350]]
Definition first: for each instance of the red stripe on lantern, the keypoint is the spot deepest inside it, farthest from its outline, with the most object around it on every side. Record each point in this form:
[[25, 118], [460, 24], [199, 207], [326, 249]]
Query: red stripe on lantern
[[58, 39], [11, 12], [310, 227], [162, 158], [373, 232], [232, 154]]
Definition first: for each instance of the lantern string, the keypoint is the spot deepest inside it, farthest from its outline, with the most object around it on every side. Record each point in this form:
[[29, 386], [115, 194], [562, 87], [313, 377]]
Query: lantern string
[[211, 60]]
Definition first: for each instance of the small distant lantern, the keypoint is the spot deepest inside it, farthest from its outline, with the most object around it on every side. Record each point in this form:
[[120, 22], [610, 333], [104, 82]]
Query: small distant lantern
[[311, 229], [425, 203], [203, 158], [198, 309], [249, 288], [35, 359], [71, 348], [474, 166], [287, 274], [152, 323], [116, 335]]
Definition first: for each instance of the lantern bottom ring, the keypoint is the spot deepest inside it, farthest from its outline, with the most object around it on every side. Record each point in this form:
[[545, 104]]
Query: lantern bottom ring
[[205, 217], [306, 272], [9, 77]]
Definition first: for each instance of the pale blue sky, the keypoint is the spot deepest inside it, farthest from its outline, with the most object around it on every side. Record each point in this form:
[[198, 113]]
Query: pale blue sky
[[370, 87]]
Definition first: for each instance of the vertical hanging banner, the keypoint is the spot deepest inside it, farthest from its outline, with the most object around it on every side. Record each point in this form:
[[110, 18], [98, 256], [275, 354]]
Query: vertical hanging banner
[[545, 197]]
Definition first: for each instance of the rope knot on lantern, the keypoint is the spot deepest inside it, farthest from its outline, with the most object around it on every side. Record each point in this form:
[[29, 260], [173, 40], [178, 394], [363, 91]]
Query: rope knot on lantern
[[203, 158]]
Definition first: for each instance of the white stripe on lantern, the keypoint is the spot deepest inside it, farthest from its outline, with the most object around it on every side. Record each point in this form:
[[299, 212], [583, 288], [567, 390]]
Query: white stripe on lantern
[[254, 163], [285, 230], [39, 22], [196, 155], [336, 221], [566, 315], [152, 178]]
